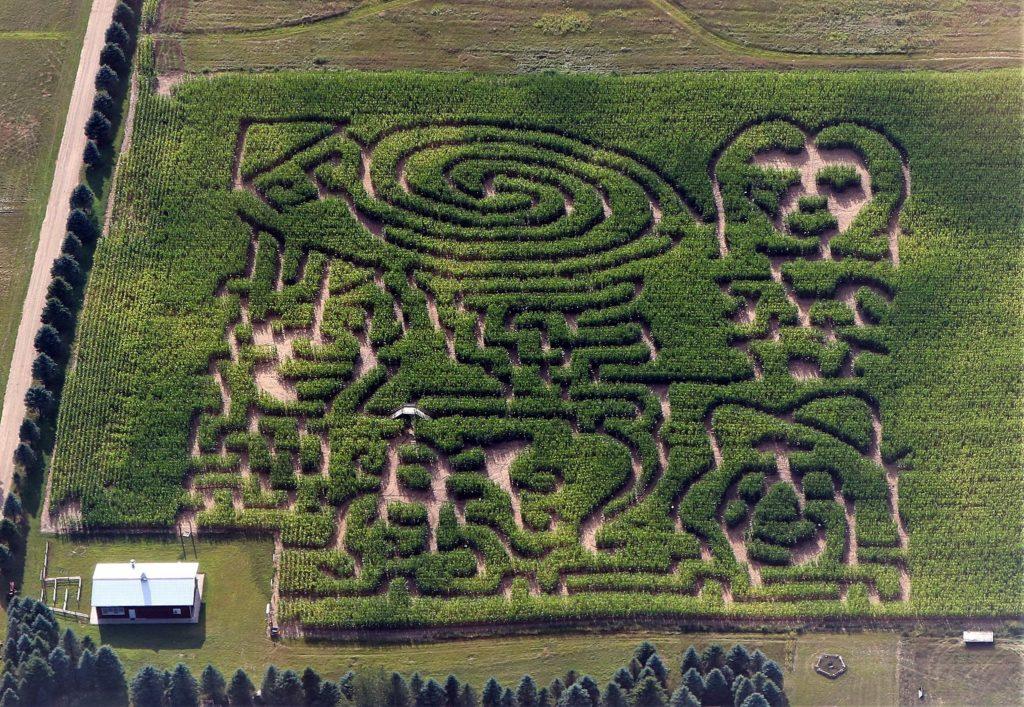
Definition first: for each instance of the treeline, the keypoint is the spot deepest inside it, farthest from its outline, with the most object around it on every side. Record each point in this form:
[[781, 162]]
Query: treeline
[[43, 666]]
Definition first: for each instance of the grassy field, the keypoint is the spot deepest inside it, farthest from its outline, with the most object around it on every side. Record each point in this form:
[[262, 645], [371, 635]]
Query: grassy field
[[39, 47], [587, 35]]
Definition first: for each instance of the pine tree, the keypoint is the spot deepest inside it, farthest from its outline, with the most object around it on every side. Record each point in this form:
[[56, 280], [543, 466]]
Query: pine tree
[[36, 684], [624, 679], [431, 695], [648, 693], [311, 685], [644, 651], [240, 689], [92, 155], [713, 657], [467, 697], [742, 688], [268, 688], [68, 268], [694, 682], [26, 457], [10, 698], [589, 686], [543, 698], [526, 692], [63, 674], [555, 689], [113, 56], [415, 684], [48, 341], [60, 289], [117, 34], [683, 698], [88, 644], [691, 659], [757, 661], [716, 689], [491, 695], [28, 431], [397, 694], [289, 689], [72, 245], [614, 696], [85, 673], [755, 700], [148, 688], [657, 667], [738, 659], [55, 313], [183, 689], [330, 695], [107, 80], [575, 696], [212, 686], [451, 690], [773, 672], [508, 698], [124, 15], [103, 103], [82, 197], [773, 694], [110, 675], [98, 127], [11, 505]]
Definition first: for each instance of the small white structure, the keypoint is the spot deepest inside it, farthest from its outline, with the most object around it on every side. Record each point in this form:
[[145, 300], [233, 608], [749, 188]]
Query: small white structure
[[979, 638], [146, 592], [410, 411]]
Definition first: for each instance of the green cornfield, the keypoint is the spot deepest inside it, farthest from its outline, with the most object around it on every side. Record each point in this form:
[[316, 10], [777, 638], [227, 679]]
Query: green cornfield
[[686, 345]]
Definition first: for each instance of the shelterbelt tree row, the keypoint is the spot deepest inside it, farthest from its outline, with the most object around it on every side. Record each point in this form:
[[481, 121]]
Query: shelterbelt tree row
[[737, 345]]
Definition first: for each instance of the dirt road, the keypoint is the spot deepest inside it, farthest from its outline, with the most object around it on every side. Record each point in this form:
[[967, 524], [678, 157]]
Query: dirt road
[[65, 178]]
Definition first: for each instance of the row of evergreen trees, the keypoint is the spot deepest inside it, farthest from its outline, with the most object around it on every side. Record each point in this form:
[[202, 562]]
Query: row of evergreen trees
[[43, 666]]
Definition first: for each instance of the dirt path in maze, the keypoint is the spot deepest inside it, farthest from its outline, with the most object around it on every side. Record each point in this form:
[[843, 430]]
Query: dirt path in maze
[[65, 179]]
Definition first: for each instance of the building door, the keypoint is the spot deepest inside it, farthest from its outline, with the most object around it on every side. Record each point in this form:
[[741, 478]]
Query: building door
[[131, 614]]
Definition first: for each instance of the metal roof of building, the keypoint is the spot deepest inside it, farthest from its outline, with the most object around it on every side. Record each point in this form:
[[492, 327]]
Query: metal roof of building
[[144, 583]]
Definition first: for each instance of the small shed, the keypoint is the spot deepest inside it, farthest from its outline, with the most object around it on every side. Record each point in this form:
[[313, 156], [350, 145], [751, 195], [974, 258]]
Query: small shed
[[146, 592], [979, 638]]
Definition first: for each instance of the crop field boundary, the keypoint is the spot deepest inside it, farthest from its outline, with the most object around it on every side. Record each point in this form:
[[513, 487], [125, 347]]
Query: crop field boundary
[[563, 442]]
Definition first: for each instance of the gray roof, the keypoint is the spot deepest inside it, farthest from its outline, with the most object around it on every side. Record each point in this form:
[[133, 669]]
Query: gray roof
[[144, 584]]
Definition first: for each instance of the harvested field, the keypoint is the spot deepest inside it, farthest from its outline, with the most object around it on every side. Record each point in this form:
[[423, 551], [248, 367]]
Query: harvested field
[[518, 36]]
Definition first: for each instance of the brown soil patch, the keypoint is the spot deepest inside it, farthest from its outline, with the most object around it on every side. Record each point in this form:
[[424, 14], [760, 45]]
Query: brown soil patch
[[498, 460]]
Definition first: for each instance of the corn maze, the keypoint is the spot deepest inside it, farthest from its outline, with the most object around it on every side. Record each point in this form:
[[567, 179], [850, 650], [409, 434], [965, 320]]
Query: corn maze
[[638, 399]]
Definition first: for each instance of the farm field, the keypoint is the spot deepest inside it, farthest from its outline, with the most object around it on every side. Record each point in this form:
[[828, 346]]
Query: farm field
[[39, 47], [584, 35], [680, 360]]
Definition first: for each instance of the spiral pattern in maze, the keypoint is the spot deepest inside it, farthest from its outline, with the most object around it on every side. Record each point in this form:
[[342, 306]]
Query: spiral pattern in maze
[[491, 200]]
